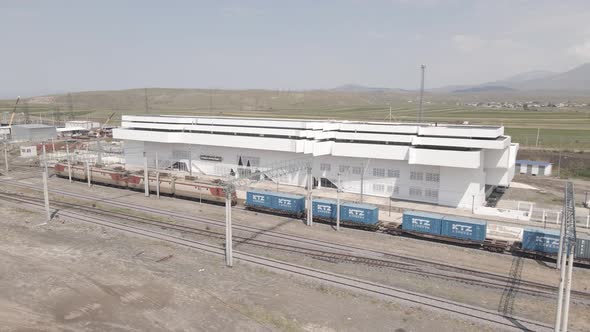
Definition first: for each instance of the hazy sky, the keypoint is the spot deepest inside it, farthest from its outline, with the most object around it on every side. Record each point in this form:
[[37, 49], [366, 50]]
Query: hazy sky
[[58, 46]]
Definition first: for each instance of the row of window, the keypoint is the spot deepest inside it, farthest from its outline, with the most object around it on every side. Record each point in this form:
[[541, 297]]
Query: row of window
[[414, 191], [419, 176]]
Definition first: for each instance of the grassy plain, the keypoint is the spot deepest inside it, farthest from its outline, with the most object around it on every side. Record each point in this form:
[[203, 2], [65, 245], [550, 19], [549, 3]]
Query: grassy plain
[[559, 128]]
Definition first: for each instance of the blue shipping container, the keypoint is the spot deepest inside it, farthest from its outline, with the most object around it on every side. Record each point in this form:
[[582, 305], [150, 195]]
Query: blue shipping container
[[275, 201], [464, 228], [582, 246], [542, 240], [422, 222], [359, 213], [324, 208]]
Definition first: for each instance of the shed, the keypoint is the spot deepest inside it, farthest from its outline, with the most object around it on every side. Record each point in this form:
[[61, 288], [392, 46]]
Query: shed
[[28, 151], [532, 167], [32, 132]]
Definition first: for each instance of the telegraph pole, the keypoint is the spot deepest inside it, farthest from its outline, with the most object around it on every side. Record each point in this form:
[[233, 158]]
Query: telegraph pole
[[157, 178], [6, 158], [45, 189], [389, 112], [362, 181], [228, 231], [567, 245], [309, 198], [69, 162], [537, 141], [190, 162], [88, 174], [423, 68], [146, 176], [338, 204]]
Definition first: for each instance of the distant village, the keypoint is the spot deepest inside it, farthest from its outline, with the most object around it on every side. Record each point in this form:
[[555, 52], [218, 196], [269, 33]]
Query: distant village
[[527, 105]]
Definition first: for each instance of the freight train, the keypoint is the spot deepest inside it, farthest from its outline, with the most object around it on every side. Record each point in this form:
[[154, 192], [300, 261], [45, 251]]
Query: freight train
[[451, 229], [169, 185], [535, 242]]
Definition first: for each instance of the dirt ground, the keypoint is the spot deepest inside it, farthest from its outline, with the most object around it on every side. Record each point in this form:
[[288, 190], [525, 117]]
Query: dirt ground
[[524, 305], [70, 276]]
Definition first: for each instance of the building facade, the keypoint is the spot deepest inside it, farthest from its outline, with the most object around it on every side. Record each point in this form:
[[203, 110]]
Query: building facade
[[451, 165]]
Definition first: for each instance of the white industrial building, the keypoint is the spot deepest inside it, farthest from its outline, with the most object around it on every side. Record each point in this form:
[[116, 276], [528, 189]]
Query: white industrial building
[[451, 165]]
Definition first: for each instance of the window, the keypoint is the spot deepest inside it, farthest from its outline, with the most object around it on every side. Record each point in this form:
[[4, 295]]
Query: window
[[343, 169], [415, 192], [180, 154], [325, 167], [416, 176], [393, 173], [393, 189], [379, 172], [431, 193], [378, 187], [357, 170], [432, 177]]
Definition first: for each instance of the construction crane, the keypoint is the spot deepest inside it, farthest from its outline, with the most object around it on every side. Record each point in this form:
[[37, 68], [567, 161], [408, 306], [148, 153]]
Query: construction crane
[[99, 132], [13, 112]]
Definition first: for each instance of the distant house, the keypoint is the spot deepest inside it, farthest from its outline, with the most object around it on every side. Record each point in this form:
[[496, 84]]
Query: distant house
[[531, 167]]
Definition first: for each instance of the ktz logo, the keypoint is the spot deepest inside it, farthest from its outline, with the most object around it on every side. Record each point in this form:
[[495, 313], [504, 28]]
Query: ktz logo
[[356, 213], [421, 223], [324, 208], [284, 202], [462, 229], [547, 241], [259, 198]]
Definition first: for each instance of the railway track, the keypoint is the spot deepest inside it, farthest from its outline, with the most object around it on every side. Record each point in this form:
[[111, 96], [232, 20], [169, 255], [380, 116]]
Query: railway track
[[344, 253], [318, 252], [382, 291]]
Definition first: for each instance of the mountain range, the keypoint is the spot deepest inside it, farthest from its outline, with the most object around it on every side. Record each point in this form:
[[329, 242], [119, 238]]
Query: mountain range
[[576, 79]]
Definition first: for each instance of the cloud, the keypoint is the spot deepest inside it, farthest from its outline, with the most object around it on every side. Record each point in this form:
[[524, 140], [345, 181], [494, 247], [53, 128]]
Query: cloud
[[467, 44], [581, 50]]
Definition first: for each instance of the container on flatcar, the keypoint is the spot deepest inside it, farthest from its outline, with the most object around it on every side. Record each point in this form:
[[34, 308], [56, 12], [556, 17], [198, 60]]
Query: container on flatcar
[[276, 201], [582, 251], [540, 240], [359, 213], [324, 209], [422, 222], [463, 228]]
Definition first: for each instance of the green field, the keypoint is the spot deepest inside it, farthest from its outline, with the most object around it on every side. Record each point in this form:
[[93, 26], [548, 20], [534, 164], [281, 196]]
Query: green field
[[567, 129]]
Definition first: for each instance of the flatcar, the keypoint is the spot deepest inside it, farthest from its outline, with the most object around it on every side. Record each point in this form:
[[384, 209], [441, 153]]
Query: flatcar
[[362, 216], [275, 202]]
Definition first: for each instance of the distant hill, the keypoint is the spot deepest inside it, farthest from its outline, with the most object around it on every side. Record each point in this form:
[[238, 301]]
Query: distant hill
[[522, 77], [365, 89], [576, 79], [485, 88]]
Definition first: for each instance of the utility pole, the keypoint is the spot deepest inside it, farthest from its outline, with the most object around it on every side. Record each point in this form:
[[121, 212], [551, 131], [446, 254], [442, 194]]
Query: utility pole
[[147, 109], [537, 141], [99, 147], [338, 204], [52, 145], [228, 231], [559, 164], [88, 175], [389, 112], [69, 162], [362, 181], [45, 189], [157, 178], [6, 158], [44, 158], [423, 68], [146, 176], [567, 245], [190, 161], [309, 198]]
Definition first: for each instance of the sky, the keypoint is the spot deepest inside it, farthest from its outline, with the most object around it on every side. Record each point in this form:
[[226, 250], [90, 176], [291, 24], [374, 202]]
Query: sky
[[65, 46]]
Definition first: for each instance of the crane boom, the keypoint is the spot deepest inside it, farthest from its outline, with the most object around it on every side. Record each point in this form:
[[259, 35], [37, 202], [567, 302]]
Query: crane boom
[[13, 112]]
